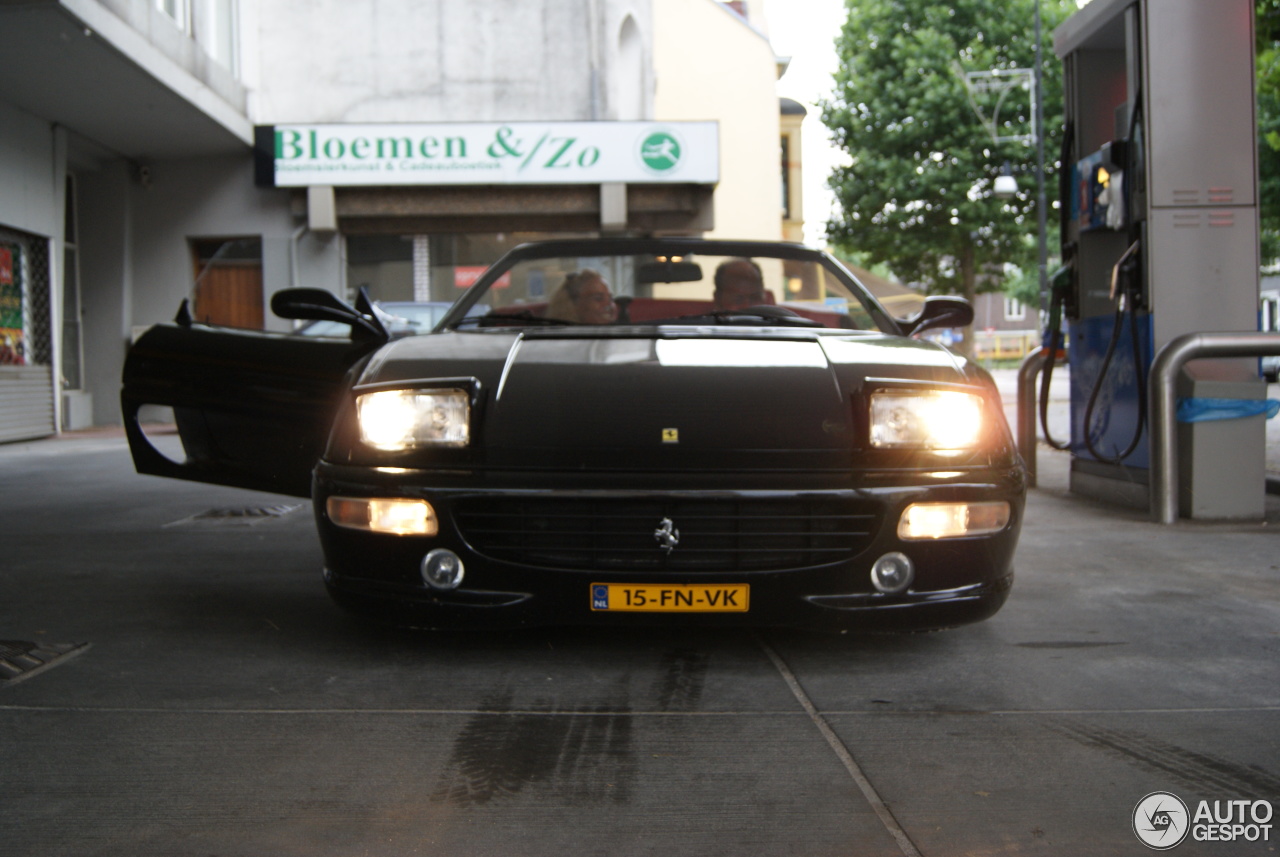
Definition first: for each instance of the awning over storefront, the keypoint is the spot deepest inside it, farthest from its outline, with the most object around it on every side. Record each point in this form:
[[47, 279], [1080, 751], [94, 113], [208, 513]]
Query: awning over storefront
[[521, 208]]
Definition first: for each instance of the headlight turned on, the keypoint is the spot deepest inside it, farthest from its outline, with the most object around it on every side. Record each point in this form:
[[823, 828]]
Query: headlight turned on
[[953, 520], [939, 420], [397, 420], [396, 516]]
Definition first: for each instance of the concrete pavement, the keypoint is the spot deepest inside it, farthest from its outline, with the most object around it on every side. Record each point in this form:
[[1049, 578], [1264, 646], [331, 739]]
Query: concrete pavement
[[223, 707]]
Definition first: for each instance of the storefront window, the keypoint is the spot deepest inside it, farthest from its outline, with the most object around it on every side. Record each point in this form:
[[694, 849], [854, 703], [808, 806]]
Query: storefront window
[[382, 265], [13, 316], [25, 336], [457, 261], [422, 268]]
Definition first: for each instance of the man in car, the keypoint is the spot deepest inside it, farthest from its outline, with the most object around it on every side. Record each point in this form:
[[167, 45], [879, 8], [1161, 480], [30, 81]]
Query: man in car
[[739, 284]]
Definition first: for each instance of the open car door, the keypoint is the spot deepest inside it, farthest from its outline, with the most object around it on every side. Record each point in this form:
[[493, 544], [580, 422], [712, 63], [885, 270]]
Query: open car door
[[253, 408]]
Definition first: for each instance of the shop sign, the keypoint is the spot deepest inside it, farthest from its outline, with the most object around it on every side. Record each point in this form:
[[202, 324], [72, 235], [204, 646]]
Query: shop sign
[[465, 276], [488, 153]]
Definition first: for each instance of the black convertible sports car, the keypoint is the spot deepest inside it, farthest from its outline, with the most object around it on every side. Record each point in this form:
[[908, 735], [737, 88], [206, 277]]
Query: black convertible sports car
[[636, 431]]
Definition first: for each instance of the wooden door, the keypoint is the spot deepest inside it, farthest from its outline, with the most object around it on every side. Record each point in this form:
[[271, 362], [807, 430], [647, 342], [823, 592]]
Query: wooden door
[[229, 284]]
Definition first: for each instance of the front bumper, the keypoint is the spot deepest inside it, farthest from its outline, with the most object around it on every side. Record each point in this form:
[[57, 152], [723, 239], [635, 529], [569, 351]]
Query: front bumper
[[812, 574]]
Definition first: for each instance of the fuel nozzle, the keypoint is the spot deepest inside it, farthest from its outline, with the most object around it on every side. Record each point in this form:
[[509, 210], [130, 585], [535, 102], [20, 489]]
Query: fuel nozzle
[[1126, 278], [1061, 292]]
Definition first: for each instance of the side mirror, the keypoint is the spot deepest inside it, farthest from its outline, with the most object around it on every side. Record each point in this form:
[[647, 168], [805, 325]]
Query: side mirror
[[938, 311], [312, 304]]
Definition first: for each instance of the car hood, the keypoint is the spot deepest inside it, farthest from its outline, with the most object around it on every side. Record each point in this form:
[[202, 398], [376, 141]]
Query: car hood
[[705, 396]]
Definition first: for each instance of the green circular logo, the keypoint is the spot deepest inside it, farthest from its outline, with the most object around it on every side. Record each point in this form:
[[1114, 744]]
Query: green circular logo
[[660, 151]]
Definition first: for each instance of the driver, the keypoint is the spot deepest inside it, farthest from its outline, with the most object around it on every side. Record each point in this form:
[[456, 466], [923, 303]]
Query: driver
[[583, 297], [739, 284]]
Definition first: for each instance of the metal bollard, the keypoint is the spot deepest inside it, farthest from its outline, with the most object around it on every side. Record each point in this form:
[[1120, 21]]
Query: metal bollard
[[1163, 403], [1028, 371]]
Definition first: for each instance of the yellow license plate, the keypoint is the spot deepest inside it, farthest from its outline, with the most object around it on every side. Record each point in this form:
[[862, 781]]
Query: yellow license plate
[[671, 598]]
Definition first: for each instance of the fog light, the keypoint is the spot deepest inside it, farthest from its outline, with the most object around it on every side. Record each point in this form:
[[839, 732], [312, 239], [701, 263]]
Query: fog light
[[442, 569], [949, 520], [394, 515], [893, 573]]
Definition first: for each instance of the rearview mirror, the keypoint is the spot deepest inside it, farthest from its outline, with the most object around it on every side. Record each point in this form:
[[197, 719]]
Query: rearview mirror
[[938, 311], [669, 271]]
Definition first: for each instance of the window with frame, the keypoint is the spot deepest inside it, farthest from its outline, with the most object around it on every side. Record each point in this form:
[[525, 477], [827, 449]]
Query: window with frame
[[216, 30], [176, 10], [786, 176], [1014, 309]]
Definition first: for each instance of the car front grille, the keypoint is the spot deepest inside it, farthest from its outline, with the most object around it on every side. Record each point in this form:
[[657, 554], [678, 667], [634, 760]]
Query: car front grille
[[613, 533]]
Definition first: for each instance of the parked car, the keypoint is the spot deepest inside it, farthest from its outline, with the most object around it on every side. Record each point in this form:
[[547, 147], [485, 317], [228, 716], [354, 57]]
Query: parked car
[[778, 464]]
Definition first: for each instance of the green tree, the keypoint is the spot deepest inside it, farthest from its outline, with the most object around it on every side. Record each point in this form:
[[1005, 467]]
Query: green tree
[[917, 194], [1269, 178], [1267, 31]]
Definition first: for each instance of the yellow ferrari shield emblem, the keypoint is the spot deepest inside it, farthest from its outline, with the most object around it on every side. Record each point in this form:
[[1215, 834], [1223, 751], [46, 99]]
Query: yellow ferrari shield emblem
[[671, 435]]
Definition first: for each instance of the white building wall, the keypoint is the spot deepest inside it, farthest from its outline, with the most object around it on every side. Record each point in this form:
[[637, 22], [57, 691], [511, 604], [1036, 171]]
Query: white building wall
[[450, 60]]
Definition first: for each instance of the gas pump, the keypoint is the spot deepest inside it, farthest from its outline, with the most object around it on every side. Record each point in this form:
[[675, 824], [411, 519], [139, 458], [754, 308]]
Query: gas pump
[[1159, 224], [1103, 185], [1102, 201]]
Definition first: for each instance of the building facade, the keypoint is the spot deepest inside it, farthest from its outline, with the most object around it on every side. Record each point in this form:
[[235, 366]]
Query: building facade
[[142, 163]]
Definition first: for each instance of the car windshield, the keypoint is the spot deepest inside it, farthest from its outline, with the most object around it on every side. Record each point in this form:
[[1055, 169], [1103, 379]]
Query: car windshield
[[582, 285]]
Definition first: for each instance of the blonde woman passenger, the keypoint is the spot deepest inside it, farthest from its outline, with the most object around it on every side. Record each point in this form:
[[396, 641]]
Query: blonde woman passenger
[[583, 297]]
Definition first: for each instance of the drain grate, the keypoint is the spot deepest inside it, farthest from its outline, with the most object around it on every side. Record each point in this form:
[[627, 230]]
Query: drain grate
[[21, 659], [246, 516]]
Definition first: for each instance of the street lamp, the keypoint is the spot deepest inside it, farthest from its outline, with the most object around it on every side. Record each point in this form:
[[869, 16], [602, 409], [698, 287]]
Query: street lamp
[[1006, 185], [1001, 81], [1041, 214]]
